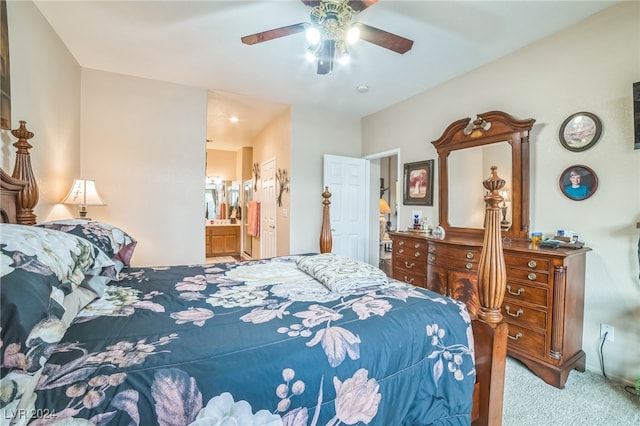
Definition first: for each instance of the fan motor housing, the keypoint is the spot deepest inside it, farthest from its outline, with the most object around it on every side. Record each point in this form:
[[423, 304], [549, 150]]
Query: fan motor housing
[[333, 17]]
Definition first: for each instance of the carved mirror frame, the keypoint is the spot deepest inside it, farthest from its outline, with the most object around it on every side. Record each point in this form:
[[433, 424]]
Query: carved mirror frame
[[488, 128]]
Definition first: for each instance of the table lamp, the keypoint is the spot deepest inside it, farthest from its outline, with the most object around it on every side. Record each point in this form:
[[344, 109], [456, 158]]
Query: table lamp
[[83, 193]]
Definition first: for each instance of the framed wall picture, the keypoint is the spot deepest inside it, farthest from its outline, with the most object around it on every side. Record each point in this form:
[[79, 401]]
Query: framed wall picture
[[418, 183], [5, 83], [580, 131], [578, 182]]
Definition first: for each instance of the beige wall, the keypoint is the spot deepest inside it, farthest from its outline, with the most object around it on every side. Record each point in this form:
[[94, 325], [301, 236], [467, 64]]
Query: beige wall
[[274, 141], [143, 141], [52, 111], [245, 164], [311, 138], [588, 67], [222, 164]]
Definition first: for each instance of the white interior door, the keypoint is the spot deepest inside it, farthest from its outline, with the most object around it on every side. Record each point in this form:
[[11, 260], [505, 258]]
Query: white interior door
[[268, 209], [347, 180]]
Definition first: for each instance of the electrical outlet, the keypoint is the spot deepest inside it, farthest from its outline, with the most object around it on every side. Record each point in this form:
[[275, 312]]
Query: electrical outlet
[[608, 330]]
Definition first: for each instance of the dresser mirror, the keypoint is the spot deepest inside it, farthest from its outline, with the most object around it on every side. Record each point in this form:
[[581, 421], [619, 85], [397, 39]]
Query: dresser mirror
[[466, 151], [467, 169]]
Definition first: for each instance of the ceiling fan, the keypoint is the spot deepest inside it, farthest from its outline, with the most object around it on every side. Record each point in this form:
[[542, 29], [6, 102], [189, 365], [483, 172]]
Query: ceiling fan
[[331, 29]]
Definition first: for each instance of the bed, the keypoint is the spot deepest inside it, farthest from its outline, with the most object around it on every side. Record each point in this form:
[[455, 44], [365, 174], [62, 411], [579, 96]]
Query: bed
[[312, 339]]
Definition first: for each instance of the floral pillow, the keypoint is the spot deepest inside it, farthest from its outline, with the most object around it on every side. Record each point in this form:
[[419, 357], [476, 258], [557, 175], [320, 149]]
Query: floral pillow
[[341, 274], [38, 269], [116, 243]]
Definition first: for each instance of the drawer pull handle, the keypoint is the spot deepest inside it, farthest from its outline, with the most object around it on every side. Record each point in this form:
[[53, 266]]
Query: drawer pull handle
[[400, 251], [469, 265], [417, 254], [517, 314], [417, 246], [532, 264], [514, 293], [408, 280], [431, 258], [400, 243], [516, 337], [469, 255], [409, 265], [432, 249], [532, 276]]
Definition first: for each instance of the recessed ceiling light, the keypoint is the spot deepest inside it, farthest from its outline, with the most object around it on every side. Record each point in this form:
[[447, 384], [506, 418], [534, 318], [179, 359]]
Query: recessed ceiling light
[[363, 88], [234, 119]]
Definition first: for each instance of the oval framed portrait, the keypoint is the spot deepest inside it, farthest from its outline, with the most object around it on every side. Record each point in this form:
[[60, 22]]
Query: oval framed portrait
[[580, 131], [578, 182]]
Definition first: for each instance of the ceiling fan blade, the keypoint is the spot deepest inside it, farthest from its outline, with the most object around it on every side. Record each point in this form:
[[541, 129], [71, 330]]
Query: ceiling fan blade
[[325, 59], [357, 5], [361, 5], [274, 33], [385, 39]]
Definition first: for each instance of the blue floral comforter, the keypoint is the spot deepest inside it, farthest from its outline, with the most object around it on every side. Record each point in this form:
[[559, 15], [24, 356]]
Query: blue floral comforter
[[259, 343]]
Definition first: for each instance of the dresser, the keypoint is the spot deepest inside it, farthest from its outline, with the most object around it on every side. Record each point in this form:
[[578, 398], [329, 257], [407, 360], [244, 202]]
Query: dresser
[[543, 304]]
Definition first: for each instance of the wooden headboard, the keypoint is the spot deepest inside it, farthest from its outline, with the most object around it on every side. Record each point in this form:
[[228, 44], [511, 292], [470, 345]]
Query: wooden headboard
[[19, 191], [9, 190]]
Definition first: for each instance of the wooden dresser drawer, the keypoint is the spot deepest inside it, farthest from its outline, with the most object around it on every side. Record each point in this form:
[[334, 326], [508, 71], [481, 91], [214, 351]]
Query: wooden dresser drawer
[[453, 263], [419, 280], [520, 292], [471, 254], [410, 244], [527, 341], [531, 263], [539, 277], [524, 316], [410, 264], [410, 248]]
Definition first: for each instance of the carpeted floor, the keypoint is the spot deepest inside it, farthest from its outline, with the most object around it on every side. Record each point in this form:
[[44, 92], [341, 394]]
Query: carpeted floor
[[588, 399]]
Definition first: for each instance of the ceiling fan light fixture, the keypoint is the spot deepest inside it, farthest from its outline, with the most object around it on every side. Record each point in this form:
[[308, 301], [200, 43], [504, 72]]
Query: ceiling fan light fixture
[[353, 35], [329, 30], [311, 54], [313, 35], [342, 54]]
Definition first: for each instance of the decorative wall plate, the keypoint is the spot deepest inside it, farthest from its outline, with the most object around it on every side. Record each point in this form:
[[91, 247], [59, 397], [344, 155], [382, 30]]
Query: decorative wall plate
[[580, 131], [438, 232]]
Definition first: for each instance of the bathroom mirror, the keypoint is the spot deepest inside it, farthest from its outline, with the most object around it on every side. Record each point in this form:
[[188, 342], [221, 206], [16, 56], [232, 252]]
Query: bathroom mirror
[[221, 199], [466, 151]]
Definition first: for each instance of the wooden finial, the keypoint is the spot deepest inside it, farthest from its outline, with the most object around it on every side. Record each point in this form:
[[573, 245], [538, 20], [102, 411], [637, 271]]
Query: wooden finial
[[326, 242], [28, 197]]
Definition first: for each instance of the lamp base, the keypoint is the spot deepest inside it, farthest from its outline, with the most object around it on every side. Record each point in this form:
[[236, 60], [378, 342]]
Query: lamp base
[[83, 213], [504, 223]]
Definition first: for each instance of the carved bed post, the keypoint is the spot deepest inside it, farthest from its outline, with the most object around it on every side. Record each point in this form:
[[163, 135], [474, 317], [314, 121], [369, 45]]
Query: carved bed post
[[325, 232], [492, 273], [490, 333], [28, 196]]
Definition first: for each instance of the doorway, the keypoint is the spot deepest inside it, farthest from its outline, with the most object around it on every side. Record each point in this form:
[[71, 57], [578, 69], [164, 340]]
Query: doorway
[[387, 193], [268, 230]]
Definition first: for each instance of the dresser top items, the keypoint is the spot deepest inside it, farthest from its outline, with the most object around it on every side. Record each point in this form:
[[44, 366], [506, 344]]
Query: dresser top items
[[524, 246]]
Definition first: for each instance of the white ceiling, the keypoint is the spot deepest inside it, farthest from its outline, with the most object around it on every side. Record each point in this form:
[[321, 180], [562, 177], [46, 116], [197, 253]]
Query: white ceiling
[[197, 43]]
